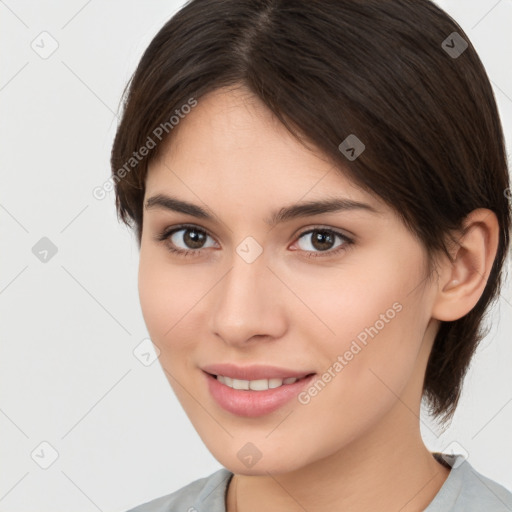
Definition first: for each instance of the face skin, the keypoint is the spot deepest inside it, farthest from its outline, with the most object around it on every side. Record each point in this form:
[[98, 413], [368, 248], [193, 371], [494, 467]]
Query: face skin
[[357, 443]]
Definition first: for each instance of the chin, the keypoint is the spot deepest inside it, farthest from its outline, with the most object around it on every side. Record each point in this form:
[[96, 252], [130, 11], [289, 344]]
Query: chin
[[246, 458]]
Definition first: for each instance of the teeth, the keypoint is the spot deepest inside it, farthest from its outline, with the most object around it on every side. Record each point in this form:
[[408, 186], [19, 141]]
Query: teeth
[[275, 383], [240, 384], [255, 385]]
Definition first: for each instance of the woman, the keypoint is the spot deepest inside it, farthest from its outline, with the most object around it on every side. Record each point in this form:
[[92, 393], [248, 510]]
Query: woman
[[320, 196]]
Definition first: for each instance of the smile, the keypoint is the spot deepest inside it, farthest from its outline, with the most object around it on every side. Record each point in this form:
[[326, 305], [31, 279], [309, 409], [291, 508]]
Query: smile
[[256, 397]]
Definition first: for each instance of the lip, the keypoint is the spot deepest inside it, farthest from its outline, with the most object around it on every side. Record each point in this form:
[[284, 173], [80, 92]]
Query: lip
[[253, 372], [251, 404]]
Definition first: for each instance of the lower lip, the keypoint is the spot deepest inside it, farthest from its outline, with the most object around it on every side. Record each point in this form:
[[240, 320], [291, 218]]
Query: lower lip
[[254, 403]]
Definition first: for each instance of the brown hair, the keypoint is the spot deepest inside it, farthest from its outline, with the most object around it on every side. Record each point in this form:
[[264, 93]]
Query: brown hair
[[390, 72]]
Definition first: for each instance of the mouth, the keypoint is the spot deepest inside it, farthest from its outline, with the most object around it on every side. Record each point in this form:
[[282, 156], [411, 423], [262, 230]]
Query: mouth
[[252, 398]]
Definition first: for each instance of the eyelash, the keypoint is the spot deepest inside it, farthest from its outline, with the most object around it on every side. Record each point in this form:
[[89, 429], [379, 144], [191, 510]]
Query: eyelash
[[167, 233]]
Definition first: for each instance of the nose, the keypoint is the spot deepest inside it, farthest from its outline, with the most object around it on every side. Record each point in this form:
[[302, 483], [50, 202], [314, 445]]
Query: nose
[[248, 304]]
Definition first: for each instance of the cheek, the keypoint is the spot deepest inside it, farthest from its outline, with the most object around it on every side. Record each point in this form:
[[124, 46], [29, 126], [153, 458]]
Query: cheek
[[375, 329], [163, 294], [172, 298], [359, 300], [370, 361]]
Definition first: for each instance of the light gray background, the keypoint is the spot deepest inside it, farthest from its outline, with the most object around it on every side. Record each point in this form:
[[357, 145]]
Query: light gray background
[[69, 327]]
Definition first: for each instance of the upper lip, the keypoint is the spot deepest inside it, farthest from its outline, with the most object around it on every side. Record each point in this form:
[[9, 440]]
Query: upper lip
[[253, 372]]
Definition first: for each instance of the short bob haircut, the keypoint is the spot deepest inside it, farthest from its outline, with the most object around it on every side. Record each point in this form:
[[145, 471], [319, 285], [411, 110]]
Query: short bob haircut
[[379, 69]]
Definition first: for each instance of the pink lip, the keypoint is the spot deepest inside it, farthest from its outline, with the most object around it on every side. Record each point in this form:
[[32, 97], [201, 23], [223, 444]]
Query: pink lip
[[250, 403], [253, 372]]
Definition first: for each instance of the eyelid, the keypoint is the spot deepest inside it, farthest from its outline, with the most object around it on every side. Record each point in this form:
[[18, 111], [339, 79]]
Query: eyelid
[[319, 227], [170, 230]]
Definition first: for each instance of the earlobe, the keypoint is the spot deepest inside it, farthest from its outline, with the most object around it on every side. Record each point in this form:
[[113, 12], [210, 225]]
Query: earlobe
[[463, 280]]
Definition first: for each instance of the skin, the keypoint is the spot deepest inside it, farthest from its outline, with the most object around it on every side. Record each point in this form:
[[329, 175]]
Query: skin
[[356, 445]]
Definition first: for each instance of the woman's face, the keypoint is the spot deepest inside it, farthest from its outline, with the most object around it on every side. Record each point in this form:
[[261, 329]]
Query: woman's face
[[348, 302]]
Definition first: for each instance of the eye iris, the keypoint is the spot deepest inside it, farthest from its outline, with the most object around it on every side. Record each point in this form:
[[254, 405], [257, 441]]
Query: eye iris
[[321, 238], [194, 238]]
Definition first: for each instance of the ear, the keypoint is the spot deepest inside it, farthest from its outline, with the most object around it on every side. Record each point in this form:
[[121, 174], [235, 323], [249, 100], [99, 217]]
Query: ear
[[462, 281]]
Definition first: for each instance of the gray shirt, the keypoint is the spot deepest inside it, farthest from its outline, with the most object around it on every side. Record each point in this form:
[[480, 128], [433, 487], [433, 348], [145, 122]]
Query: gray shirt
[[465, 490]]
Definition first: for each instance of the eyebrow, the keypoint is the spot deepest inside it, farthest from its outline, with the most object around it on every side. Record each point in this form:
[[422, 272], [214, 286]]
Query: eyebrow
[[298, 210]]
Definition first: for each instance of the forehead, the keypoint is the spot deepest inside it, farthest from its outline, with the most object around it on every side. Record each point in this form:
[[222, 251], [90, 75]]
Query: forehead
[[232, 146]]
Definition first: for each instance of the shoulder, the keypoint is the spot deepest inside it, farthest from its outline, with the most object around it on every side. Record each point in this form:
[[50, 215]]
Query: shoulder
[[482, 493], [467, 490], [204, 494]]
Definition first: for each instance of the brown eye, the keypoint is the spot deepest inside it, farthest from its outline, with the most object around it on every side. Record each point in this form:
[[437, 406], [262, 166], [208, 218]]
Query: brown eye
[[185, 240], [193, 238], [322, 242]]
